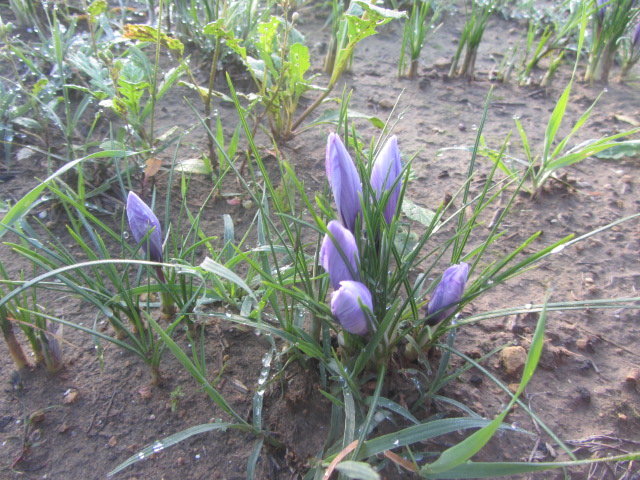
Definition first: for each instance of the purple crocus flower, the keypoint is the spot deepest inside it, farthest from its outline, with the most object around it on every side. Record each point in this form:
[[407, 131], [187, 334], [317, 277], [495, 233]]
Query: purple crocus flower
[[448, 292], [345, 306], [344, 180], [636, 36], [331, 259], [386, 169], [141, 221]]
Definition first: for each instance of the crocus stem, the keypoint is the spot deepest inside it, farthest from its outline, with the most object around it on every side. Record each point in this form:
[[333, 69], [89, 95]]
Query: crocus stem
[[13, 345], [168, 306], [315, 327]]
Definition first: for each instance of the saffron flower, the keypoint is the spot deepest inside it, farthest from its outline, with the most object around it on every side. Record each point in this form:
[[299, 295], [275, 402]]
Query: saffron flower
[[448, 293], [345, 306], [344, 180], [141, 221], [339, 266], [386, 170]]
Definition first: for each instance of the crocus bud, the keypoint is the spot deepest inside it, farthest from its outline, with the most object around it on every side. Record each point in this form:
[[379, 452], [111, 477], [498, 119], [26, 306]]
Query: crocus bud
[[448, 292], [386, 169], [331, 259], [345, 306], [636, 36], [141, 221], [344, 180]]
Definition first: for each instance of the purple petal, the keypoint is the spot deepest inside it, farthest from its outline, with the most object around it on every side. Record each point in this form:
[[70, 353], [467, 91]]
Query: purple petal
[[141, 220], [386, 169], [345, 306], [448, 292], [331, 259], [344, 180]]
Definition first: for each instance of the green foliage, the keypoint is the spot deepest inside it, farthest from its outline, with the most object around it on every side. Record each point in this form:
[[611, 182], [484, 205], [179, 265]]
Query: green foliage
[[416, 30], [471, 37]]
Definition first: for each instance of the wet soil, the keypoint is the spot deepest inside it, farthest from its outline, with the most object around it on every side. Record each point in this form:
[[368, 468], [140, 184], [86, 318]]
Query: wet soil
[[582, 390]]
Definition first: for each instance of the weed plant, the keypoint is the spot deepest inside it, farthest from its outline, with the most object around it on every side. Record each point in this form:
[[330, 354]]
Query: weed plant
[[421, 23], [470, 38], [610, 21]]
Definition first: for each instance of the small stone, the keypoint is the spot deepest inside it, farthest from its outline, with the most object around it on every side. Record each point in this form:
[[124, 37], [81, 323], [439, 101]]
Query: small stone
[[386, 103], [475, 380], [424, 84], [64, 428], [37, 417], [145, 392], [513, 387], [181, 461], [513, 359], [442, 62], [113, 441], [585, 344], [71, 396], [462, 127], [584, 394], [633, 376]]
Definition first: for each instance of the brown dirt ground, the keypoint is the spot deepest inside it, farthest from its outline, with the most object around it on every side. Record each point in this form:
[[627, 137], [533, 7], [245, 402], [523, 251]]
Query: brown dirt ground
[[579, 391]]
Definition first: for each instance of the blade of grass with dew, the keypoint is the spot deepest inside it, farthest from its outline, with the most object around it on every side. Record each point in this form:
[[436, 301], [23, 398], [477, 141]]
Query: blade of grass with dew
[[170, 441]]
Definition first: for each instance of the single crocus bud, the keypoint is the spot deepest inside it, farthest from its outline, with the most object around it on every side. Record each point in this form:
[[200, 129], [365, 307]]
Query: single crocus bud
[[448, 292], [339, 266], [344, 180], [636, 36], [386, 169], [345, 306], [141, 221]]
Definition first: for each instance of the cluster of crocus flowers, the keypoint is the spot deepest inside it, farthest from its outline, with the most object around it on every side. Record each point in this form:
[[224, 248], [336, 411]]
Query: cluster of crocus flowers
[[142, 220], [339, 252]]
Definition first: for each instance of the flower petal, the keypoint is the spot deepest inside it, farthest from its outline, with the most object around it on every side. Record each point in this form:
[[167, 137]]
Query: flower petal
[[331, 259], [344, 180], [386, 169], [345, 306], [448, 292], [141, 220]]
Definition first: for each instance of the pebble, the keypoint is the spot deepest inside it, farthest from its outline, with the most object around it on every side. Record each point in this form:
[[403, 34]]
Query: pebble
[[442, 62], [513, 359], [71, 396], [633, 376], [584, 394]]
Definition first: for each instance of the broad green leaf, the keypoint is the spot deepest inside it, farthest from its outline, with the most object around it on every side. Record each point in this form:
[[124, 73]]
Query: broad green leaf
[[626, 149], [199, 166], [357, 470], [217, 28], [97, 7], [417, 213], [332, 116], [147, 33]]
